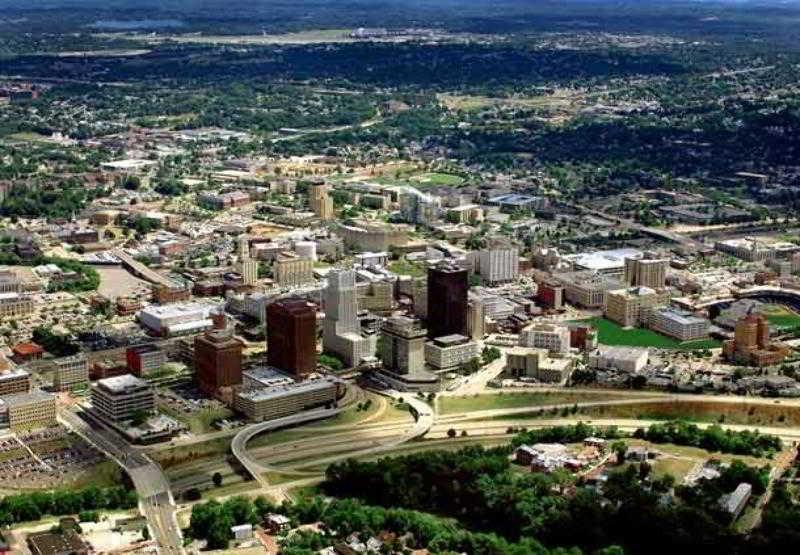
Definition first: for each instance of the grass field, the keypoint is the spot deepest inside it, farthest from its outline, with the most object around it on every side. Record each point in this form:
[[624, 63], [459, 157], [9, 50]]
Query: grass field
[[436, 179], [200, 421], [781, 317], [704, 411], [611, 333], [512, 400], [405, 268]]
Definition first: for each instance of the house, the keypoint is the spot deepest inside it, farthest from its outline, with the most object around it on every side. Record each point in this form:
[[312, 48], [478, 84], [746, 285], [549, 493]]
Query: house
[[734, 503], [639, 454], [524, 455], [274, 523], [242, 532], [596, 442]]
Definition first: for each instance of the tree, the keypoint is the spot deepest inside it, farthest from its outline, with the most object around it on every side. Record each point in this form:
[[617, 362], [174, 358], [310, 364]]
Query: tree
[[451, 433], [217, 479], [619, 448]]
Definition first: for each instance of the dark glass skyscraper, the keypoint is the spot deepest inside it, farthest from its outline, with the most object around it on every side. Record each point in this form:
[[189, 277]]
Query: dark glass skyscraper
[[292, 336], [447, 301]]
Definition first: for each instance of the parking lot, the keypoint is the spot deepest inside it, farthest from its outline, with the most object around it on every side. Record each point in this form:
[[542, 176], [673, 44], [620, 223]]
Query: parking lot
[[51, 457]]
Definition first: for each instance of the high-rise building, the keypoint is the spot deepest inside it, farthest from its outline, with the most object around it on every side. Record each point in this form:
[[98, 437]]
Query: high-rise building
[[645, 272], [292, 336], [627, 307], [417, 207], [476, 319], [550, 295], [293, 270], [447, 301], [320, 200], [498, 265], [217, 360], [751, 343], [247, 266], [341, 331], [403, 345]]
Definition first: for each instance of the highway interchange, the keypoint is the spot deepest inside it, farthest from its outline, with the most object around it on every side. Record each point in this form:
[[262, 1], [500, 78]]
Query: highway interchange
[[279, 467]]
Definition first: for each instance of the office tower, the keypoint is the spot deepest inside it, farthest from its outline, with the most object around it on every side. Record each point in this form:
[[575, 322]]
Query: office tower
[[217, 360], [447, 301], [403, 345], [341, 331], [498, 265], [476, 320], [646, 273], [247, 266], [292, 336], [628, 307], [751, 343], [292, 270], [320, 200]]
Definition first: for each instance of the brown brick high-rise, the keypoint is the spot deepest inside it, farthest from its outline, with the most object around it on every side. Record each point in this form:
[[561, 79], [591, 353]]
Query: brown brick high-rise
[[292, 336], [447, 301], [217, 361]]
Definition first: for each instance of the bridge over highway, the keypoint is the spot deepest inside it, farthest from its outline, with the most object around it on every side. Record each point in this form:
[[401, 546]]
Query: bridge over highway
[[140, 270]]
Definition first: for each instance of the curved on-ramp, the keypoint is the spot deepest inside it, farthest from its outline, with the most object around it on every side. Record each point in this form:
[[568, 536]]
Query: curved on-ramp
[[424, 419]]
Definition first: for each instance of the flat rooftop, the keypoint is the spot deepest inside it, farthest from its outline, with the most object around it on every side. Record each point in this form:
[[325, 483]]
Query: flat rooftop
[[277, 392], [123, 383]]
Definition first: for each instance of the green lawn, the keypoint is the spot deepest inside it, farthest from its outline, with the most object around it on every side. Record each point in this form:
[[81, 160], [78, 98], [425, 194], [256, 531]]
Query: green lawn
[[512, 400], [781, 317], [404, 268], [611, 333], [438, 179]]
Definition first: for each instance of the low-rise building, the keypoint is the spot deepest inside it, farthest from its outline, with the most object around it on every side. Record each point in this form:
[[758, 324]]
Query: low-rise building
[[177, 319], [753, 249], [625, 359], [122, 397], [144, 359], [680, 324], [734, 503], [13, 304], [450, 351], [70, 373], [14, 380], [555, 338], [588, 289], [284, 400], [525, 362], [26, 411]]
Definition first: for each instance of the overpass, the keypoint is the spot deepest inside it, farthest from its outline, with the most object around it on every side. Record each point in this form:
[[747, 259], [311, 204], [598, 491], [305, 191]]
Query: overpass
[[140, 270], [423, 415]]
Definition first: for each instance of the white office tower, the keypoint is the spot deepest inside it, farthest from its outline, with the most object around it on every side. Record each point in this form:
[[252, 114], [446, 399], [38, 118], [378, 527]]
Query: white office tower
[[500, 265], [247, 266], [417, 207], [306, 249], [341, 331]]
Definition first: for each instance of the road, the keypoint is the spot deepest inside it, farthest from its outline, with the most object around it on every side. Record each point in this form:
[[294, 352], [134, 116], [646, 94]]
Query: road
[[155, 498], [476, 383], [659, 233], [424, 419]]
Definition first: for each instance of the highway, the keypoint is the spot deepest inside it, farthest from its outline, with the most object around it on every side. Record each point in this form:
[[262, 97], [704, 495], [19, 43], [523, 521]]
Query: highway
[[424, 419], [155, 498], [140, 270]]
